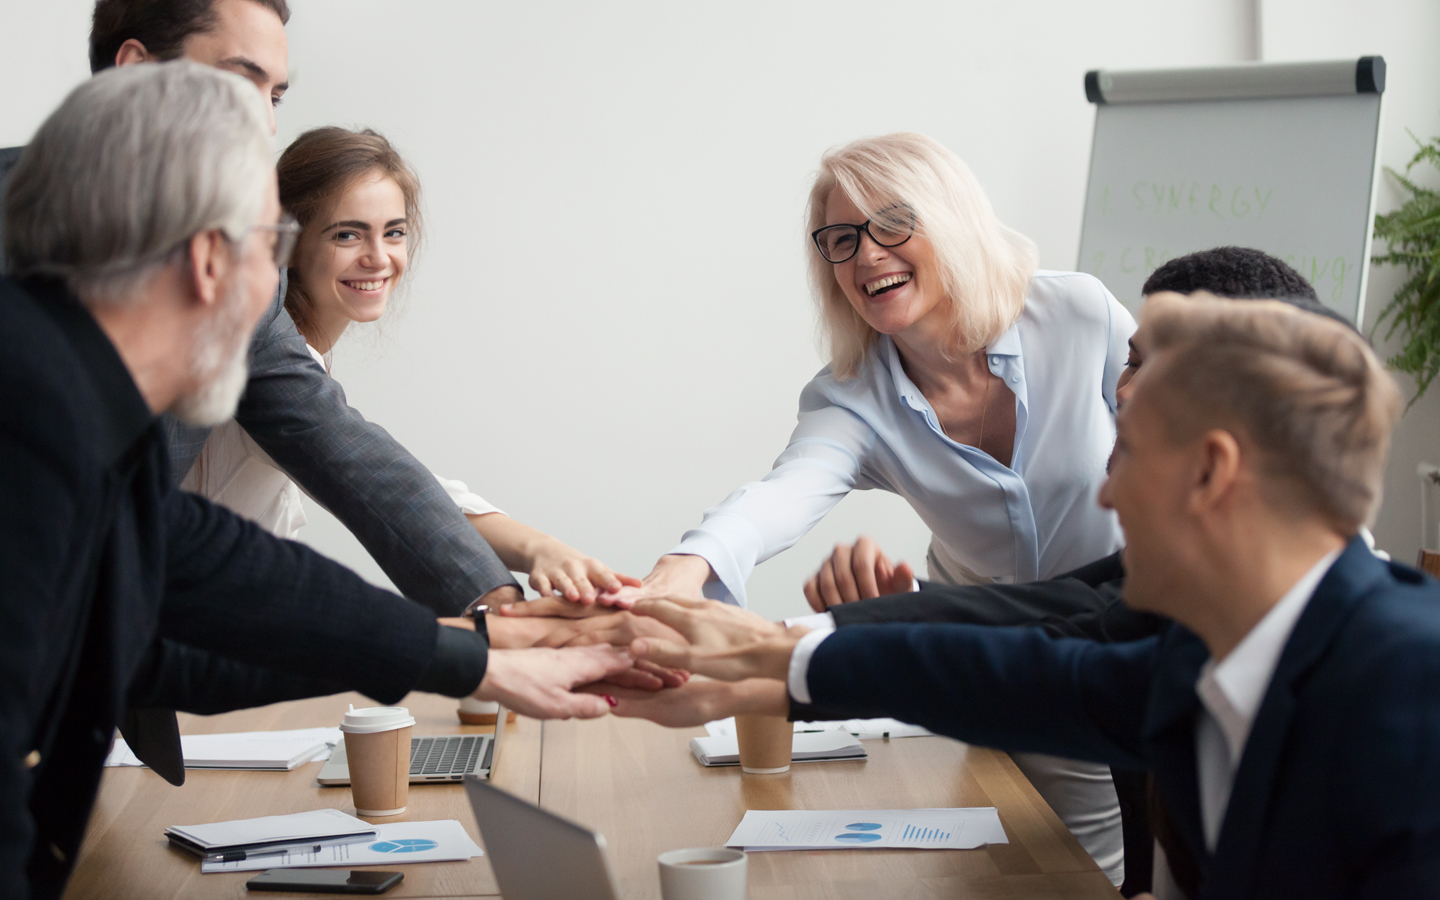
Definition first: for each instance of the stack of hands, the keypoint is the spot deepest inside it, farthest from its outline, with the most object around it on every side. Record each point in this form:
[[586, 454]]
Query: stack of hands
[[633, 648]]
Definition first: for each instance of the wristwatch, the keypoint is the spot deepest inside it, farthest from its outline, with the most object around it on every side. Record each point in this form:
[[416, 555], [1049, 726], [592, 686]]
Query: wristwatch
[[476, 611]]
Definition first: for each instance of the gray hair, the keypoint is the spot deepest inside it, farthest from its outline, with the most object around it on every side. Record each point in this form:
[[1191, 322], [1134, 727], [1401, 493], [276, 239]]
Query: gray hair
[[134, 163]]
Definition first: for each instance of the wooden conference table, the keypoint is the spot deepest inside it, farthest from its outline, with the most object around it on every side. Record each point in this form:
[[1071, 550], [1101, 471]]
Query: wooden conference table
[[634, 782]]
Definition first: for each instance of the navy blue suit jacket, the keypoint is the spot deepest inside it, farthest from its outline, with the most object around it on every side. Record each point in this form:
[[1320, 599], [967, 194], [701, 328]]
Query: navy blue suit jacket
[[1338, 791]]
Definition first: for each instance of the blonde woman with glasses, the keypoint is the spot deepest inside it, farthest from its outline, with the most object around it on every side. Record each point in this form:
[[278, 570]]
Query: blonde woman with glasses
[[977, 388]]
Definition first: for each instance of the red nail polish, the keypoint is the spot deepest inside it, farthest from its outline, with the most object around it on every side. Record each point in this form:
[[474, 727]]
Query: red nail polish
[[611, 700]]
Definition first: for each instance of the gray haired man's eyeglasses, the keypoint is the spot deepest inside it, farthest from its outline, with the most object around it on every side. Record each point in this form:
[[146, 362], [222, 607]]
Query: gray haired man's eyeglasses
[[287, 232]]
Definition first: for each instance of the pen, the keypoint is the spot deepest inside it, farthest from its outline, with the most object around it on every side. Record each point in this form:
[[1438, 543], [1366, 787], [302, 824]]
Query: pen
[[307, 847]]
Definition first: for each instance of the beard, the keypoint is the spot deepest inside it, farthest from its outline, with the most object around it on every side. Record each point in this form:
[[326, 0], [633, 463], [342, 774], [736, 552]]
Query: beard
[[219, 363]]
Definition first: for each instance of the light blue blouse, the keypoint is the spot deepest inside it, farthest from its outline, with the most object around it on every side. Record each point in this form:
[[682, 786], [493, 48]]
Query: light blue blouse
[[1035, 518]]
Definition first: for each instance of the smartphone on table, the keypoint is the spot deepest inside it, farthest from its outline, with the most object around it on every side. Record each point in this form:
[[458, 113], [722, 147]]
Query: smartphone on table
[[325, 881]]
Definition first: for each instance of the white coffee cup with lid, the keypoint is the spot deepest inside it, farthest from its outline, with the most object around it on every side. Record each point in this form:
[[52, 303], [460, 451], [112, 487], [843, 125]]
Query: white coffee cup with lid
[[377, 751]]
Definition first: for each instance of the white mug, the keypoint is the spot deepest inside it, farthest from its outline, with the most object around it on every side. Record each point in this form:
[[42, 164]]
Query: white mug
[[704, 873]]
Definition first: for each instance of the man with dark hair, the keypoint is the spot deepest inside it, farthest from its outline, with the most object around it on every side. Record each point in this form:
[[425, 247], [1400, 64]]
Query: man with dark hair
[[1230, 272], [160, 29]]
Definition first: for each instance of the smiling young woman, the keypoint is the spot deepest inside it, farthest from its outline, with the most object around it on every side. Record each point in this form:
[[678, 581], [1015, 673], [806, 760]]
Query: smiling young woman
[[358, 205], [979, 389]]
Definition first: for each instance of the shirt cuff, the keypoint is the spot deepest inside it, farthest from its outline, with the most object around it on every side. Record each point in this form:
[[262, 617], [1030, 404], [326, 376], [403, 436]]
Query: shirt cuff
[[824, 621], [458, 666], [798, 681]]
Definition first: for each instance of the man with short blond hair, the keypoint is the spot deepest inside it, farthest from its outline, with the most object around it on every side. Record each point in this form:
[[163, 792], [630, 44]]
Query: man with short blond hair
[[1290, 715]]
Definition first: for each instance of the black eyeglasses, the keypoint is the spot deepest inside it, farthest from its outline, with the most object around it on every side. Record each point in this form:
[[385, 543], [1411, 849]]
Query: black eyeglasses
[[891, 228]]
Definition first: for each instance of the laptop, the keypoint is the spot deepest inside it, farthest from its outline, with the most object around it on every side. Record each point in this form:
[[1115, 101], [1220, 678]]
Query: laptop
[[537, 855], [443, 757]]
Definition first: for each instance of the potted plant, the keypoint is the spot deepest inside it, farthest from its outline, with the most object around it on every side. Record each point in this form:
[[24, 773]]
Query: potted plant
[[1412, 237]]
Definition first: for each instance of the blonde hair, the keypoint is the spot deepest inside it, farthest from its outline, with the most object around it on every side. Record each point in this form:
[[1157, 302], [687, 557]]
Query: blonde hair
[[1305, 390], [984, 266]]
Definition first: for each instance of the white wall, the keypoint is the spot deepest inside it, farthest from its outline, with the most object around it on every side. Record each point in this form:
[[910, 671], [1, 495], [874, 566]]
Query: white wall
[[570, 346], [1406, 33]]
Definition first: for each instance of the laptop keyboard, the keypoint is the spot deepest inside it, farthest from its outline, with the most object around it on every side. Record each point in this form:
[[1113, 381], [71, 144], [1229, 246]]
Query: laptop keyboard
[[454, 755]]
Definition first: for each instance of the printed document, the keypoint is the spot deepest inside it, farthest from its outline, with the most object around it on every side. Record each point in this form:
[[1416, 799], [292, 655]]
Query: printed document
[[394, 844], [852, 829]]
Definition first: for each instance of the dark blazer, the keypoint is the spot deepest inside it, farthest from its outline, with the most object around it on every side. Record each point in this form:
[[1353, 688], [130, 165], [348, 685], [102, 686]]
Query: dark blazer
[[386, 498], [1083, 603], [1338, 791], [120, 590]]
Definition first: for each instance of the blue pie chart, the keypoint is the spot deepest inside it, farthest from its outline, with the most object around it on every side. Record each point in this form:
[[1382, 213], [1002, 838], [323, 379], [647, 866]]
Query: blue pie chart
[[410, 845], [857, 837], [864, 826]]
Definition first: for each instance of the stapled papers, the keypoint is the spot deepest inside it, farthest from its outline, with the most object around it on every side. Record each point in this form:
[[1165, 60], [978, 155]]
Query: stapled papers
[[822, 745], [851, 829], [266, 835], [277, 751], [864, 729], [393, 844]]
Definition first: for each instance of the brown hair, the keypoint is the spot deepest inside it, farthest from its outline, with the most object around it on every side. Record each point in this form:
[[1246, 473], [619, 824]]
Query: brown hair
[[318, 167], [161, 25], [1306, 391]]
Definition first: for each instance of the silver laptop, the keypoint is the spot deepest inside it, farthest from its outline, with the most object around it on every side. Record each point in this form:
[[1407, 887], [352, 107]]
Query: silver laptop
[[537, 855], [444, 757]]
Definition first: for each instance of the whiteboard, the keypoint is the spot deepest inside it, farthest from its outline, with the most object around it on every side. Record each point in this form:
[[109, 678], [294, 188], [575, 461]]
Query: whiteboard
[[1292, 175]]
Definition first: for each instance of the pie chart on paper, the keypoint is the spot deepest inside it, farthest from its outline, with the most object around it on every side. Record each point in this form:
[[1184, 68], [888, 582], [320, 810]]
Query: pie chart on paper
[[408, 845]]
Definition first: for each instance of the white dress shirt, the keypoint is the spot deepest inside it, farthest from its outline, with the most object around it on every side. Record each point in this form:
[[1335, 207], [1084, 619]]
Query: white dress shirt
[[1032, 519], [1231, 691], [234, 471]]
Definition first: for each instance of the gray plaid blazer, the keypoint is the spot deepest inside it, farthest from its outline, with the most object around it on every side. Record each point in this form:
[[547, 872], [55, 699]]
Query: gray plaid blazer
[[354, 468]]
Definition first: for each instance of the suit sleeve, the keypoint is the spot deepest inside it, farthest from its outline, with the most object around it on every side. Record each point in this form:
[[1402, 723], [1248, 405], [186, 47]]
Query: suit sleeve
[[1386, 766], [1012, 688], [354, 468], [236, 591], [178, 676], [33, 557], [1084, 603]]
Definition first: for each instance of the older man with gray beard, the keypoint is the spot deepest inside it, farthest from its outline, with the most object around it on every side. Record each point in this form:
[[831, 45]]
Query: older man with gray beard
[[143, 241]]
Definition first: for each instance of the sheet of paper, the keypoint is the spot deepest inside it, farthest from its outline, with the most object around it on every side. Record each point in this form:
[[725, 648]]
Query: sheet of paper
[[850, 829], [864, 729], [394, 844], [806, 747], [301, 826], [280, 750]]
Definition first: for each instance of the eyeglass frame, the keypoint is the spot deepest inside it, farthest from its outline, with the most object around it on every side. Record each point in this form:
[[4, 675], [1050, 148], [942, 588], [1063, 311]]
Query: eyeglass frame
[[863, 226], [287, 235]]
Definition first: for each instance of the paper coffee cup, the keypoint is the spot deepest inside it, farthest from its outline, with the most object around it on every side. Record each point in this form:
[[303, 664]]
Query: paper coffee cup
[[377, 750], [706, 873], [765, 743]]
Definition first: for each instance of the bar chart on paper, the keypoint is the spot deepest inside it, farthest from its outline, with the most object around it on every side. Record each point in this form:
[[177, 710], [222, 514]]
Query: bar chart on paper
[[833, 829]]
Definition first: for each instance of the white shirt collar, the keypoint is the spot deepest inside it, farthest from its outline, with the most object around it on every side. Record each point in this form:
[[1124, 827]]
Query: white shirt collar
[[1233, 688]]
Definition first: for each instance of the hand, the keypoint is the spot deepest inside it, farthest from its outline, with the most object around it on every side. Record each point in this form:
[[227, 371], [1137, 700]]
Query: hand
[[646, 676], [558, 568], [857, 574], [552, 607], [700, 701], [725, 642], [674, 575], [539, 682]]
